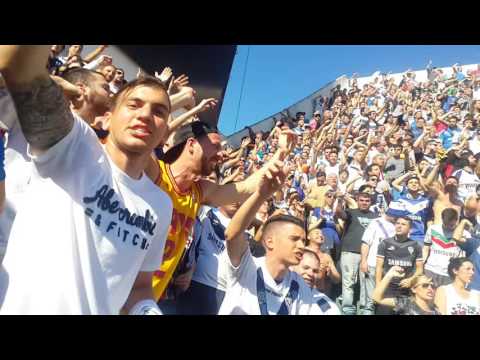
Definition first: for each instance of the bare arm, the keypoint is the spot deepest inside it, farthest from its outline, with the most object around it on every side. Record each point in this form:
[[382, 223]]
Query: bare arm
[[425, 252], [332, 271], [234, 234], [458, 232], [382, 285], [42, 110], [95, 53], [180, 120], [440, 300], [379, 269], [397, 183], [141, 290], [217, 195], [363, 257]]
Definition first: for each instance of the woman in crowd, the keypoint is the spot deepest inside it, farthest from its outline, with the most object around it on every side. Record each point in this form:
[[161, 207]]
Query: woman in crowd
[[456, 298], [420, 303]]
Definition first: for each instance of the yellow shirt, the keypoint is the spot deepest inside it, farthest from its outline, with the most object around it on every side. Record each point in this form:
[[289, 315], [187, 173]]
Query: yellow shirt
[[185, 208]]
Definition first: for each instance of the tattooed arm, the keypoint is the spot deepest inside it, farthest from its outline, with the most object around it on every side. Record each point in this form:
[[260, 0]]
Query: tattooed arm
[[42, 109]]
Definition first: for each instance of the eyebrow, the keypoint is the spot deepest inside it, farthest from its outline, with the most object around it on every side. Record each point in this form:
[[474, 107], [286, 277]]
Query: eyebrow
[[155, 105]]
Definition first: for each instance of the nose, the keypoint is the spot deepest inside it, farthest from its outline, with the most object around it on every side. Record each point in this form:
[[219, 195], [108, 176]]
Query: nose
[[145, 113]]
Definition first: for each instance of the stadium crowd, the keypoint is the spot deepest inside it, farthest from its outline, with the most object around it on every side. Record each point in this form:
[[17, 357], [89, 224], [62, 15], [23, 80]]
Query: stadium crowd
[[111, 205]]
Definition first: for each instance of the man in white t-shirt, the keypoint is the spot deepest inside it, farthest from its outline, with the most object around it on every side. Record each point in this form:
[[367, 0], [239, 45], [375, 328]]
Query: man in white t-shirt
[[94, 227], [377, 231], [266, 286]]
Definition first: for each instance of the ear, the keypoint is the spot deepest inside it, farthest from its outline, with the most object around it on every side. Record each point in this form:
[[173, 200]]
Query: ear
[[269, 242], [106, 121], [83, 91]]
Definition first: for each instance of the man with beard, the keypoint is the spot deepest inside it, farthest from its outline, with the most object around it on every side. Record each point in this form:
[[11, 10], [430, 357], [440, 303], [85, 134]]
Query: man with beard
[[445, 196], [195, 154], [467, 179]]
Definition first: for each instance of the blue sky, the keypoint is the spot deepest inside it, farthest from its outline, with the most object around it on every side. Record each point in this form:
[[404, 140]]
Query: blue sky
[[278, 76]]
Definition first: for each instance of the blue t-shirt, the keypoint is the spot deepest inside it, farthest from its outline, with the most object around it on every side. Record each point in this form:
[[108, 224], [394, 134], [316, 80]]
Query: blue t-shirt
[[447, 137], [328, 227], [418, 210]]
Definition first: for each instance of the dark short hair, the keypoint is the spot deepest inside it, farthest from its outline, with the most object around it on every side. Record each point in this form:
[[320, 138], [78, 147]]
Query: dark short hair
[[448, 215], [362, 193], [406, 218], [455, 264], [80, 75], [284, 218]]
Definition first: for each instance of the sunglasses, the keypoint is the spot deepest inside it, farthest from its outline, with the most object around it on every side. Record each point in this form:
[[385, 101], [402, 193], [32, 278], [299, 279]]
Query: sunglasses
[[427, 285], [330, 195]]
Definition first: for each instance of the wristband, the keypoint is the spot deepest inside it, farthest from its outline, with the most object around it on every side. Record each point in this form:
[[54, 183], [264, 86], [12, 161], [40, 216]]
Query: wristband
[[145, 307]]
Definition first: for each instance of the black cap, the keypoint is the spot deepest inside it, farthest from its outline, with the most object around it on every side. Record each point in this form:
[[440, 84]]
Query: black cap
[[195, 129]]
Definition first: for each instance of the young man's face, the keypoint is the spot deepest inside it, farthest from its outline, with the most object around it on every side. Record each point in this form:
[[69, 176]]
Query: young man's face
[[139, 122], [413, 185], [364, 202], [97, 95], [333, 157], [208, 153], [108, 72], [308, 269], [74, 50], [402, 227], [119, 76], [288, 243]]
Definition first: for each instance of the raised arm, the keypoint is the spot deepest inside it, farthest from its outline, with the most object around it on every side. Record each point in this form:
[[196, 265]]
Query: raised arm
[[271, 181], [90, 57], [217, 195], [397, 183], [204, 105], [42, 109], [378, 293]]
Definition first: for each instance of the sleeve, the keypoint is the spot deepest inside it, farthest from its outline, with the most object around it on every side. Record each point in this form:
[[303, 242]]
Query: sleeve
[[428, 237], [154, 257], [369, 233], [418, 252], [234, 274], [94, 64], [381, 249], [323, 305], [79, 149]]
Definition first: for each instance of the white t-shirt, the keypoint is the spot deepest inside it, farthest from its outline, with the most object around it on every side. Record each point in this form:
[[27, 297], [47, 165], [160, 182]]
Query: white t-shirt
[[467, 183], [474, 146], [18, 168], [374, 234], [442, 249], [86, 232], [241, 297]]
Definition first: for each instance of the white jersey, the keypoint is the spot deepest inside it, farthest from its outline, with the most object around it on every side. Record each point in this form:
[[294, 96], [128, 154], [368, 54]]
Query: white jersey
[[87, 231], [377, 231], [442, 249], [242, 298], [17, 166], [457, 305], [467, 183], [208, 245]]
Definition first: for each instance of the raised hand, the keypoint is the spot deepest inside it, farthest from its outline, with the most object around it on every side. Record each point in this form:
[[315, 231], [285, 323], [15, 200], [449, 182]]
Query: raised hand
[[247, 141], [287, 141], [273, 178], [206, 104], [396, 271], [164, 75]]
